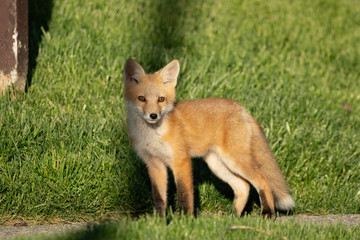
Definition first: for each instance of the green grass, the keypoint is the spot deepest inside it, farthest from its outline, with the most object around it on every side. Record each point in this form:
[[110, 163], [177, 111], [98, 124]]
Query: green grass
[[64, 151], [210, 227]]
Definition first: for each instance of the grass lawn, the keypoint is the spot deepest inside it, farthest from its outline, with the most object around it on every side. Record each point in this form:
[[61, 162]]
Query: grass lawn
[[295, 65]]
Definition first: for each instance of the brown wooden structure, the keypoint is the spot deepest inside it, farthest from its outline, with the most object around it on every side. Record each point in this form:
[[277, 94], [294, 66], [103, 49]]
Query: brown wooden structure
[[14, 47]]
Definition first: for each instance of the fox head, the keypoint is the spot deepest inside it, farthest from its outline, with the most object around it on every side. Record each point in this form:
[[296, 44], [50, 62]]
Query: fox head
[[151, 95]]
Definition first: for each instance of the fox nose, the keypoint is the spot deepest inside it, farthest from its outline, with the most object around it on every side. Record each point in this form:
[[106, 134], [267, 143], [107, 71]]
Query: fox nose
[[153, 116]]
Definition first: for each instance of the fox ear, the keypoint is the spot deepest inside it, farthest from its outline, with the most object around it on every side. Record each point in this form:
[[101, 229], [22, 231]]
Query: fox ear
[[170, 72], [133, 72]]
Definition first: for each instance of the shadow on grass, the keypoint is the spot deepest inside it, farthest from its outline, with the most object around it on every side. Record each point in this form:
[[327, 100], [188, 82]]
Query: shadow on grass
[[165, 38], [139, 189], [39, 17], [202, 174]]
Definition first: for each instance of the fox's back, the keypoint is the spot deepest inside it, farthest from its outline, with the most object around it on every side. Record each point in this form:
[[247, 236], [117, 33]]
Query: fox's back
[[203, 113], [203, 124]]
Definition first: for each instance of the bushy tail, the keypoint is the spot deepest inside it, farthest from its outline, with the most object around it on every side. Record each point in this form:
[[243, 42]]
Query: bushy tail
[[270, 168], [282, 197]]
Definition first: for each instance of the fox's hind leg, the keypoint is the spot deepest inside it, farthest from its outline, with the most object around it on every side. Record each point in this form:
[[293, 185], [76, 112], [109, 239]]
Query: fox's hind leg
[[247, 169], [240, 187]]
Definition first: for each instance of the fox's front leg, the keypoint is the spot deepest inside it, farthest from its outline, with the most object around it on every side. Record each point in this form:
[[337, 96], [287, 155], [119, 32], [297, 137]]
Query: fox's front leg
[[184, 184], [158, 176]]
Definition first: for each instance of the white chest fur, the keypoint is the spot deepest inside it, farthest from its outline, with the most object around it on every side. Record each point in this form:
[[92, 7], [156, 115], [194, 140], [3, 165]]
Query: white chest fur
[[147, 140]]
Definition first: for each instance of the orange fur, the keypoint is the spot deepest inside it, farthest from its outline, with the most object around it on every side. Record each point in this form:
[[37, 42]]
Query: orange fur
[[219, 130]]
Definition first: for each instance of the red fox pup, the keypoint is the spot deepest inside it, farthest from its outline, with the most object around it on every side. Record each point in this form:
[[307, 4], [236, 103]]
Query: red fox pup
[[168, 134]]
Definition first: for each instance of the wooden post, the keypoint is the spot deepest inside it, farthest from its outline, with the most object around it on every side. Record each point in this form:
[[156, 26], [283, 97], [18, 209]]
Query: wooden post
[[14, 47]]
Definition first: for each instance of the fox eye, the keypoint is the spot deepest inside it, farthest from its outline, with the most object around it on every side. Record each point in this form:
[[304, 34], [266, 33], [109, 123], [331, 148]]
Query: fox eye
[[142, 99], [161, 99]]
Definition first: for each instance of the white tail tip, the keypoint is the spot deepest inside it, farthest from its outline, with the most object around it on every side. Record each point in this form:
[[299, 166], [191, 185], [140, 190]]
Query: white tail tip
[[285, 204]]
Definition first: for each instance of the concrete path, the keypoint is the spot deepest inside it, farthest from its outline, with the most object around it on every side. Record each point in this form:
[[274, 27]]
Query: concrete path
[[9, 232], [347, 219]]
